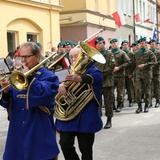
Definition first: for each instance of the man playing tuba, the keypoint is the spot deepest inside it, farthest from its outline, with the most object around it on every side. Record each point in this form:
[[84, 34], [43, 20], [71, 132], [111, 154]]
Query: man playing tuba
[[88, 121]]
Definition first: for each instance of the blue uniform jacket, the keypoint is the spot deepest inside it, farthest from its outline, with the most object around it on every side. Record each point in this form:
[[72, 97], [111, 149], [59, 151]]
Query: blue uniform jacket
[[31, 133], [89, 119]]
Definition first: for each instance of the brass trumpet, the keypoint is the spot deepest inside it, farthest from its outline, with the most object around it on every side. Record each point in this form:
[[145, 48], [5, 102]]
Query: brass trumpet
[[18, 80]]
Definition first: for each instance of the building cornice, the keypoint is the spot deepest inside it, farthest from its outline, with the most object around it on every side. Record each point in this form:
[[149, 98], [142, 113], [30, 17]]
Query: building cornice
[[89, 25], [87, 11], [36, 4], [144, 27]]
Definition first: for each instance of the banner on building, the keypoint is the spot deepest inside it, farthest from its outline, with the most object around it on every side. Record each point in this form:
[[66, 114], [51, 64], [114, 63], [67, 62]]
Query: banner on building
[[137, 17], [119, 18]]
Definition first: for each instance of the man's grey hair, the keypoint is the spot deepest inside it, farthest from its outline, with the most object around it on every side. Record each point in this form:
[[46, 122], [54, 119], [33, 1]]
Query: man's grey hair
[[34, 47]]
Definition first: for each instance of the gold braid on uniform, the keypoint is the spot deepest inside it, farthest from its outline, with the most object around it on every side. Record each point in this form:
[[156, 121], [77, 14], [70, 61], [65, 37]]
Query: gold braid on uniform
[[88, 79]]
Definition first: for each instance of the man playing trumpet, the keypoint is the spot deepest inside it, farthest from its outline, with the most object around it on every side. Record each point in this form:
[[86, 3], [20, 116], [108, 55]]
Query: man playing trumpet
[[31, 133]]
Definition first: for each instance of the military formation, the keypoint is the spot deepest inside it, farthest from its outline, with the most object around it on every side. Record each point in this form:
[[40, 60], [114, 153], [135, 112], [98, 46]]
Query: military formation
[[134, 72]]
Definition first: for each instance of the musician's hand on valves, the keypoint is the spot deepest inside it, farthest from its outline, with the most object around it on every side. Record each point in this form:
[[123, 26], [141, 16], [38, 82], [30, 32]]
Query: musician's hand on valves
[[24, 68], [4, 83], [73, 78], [62, 89]]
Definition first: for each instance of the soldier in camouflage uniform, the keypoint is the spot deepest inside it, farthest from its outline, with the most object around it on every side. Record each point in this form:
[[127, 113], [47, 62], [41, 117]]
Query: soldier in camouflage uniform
[[60, 52], [108, 79], [129, 80], [122, 61], [144, 60], [156, 72]]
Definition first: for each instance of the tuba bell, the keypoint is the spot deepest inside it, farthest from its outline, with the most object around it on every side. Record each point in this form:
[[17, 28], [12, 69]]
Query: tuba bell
[[78, 94]]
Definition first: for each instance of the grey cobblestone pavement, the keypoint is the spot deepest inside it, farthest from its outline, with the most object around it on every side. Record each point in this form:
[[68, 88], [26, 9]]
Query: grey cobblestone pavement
[[132, 136]]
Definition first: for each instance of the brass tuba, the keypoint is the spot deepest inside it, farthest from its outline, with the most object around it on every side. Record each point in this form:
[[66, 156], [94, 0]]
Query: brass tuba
[[78, 94]]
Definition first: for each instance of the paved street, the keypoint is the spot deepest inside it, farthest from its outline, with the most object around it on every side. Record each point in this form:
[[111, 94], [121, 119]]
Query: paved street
[[132, 137]]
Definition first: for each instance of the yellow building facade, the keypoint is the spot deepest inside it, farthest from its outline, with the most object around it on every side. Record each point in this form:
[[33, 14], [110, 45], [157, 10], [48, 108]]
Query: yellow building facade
[[81, 19], [29, 20]]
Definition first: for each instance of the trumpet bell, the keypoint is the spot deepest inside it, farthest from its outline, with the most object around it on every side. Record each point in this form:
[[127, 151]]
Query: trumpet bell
[[18, 80], [92, 52]]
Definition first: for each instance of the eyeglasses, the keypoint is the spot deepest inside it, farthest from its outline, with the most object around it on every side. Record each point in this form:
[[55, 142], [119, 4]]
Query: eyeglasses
[[27, 56]]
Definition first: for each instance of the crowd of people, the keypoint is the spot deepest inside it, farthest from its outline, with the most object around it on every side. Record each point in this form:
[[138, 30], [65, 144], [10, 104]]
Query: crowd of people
[[129, 70]]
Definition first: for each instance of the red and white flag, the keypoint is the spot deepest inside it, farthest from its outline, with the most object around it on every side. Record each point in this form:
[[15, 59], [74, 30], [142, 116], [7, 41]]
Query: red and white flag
[[146, 21], [119, 18], [137, 17], [66, 63], [92, 42]]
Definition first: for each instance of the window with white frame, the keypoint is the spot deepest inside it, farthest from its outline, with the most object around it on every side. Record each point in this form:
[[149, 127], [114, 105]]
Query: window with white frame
[[32, 37]]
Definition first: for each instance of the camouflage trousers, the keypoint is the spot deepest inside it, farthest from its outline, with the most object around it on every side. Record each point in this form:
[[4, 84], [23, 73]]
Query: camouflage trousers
[[156, 86], [119, 85], [108, 94], [129, 87], [143, 85]]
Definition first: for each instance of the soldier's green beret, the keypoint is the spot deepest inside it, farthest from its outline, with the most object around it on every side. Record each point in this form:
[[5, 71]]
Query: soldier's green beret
[[151, 41], [61, 44], [125, 41], [136, 42], [68, 42], [99, 39], [114, 40], [133, 44], [142, 40], [39, 44], [157, 42], [75, 44]]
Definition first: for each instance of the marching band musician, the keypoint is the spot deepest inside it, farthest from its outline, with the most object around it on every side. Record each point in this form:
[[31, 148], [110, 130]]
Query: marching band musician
[[31, 133], [88, 121]]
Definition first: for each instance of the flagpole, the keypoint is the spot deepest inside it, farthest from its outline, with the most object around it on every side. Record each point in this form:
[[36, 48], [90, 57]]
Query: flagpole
[[157, 20], [134, 30]]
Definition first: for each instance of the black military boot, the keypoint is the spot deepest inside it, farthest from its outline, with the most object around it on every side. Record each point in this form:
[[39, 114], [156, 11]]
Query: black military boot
[[119, 106], [108, 124], [139, 109], [146, 108], [122, 105], [157, 103], [130, 103], [150, 104]]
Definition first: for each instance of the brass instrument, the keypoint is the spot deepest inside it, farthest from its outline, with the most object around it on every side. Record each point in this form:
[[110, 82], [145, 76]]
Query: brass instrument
[[52, 64], [19, 67], [78, 94], [86, 40], [18, 80]]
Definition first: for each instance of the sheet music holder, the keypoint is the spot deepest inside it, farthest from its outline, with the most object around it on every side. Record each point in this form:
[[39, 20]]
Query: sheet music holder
[[4, 68], [62, 74]]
